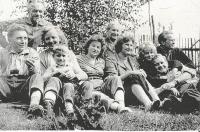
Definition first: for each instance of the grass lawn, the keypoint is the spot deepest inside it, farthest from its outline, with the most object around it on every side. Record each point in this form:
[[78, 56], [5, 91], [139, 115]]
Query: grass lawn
[[13, 117]]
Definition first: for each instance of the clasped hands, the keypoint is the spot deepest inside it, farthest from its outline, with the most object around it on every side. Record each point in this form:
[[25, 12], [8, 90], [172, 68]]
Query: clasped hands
[[170, 86], [139, 72], [64, 72]]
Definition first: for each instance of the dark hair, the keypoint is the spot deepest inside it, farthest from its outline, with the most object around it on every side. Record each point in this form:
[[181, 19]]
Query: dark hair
[[98, 38], [122, 40], [163, 36]]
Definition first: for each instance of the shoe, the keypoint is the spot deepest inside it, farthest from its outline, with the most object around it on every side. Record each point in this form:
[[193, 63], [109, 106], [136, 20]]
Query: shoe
[[154, 106], [167, 104], [122, 109], [119, 107], [105, 105], [48, 106], [35, 111], [87, 103], [114, 106], [69, 110]]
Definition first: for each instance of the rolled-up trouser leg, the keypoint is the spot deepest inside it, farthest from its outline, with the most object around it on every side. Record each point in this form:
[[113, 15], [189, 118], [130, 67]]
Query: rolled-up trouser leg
[[111, 85], [86, 90], [36, 89], [53, 84], [68, 92], [103, 98], [52, 89], [36, 83]]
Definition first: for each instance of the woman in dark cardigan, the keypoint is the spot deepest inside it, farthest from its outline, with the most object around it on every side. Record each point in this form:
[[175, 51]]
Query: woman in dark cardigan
[[137, 88], [166, 48], [146, 53]]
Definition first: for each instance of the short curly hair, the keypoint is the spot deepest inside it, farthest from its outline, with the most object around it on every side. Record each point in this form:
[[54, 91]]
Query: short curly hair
[[122, 40], [113, 24], [146, 46], [157, 56], [58, 48], [163, 36], [33, 3], [16, 27], [63, 39], [97, 38]]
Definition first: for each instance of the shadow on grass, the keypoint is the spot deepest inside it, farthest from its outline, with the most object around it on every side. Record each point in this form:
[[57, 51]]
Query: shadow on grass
[[154, 121], [19, 105], [13, 117]]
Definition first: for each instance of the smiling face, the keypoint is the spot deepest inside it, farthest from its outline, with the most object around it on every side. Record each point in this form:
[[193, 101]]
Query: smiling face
[[149, 53], [161, 64], [51, 38], [36, 12], [60, 58], [94, 49], [127, 48], [113, 32], [19, 40]]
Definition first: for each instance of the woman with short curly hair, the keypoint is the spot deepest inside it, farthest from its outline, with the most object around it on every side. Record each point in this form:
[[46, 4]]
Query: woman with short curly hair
[[137, 88], [94, 65], [39, 37], [146, 53]]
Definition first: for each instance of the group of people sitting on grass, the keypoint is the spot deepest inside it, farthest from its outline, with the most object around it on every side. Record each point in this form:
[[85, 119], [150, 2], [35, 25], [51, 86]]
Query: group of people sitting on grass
[[160, 77]]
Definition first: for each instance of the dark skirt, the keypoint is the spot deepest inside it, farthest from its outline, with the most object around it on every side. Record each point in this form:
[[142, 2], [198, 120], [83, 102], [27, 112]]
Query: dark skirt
[[130, 98]]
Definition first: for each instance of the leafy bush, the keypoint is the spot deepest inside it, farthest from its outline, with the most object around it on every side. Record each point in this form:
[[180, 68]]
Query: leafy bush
[[81, 18]]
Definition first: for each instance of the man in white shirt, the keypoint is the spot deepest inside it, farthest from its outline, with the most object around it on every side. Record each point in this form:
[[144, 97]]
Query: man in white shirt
[[20, 78]]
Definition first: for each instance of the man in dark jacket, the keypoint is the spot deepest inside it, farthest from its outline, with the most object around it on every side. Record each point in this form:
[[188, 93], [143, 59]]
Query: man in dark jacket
[[166, 48]]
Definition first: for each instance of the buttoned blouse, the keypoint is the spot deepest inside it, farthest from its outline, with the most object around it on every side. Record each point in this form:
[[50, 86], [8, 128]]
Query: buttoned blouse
[[96, 70], [10, 60]]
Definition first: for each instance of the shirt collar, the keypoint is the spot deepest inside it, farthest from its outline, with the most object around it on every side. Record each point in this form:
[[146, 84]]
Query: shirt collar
[[165, 50], [24, 52], [41, 22]]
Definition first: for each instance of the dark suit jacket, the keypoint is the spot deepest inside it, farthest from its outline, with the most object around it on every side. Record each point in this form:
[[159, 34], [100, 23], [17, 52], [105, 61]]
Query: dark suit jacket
[[176, 54]]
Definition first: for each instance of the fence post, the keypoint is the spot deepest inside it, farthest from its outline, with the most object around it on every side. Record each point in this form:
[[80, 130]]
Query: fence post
[[191, 48]]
